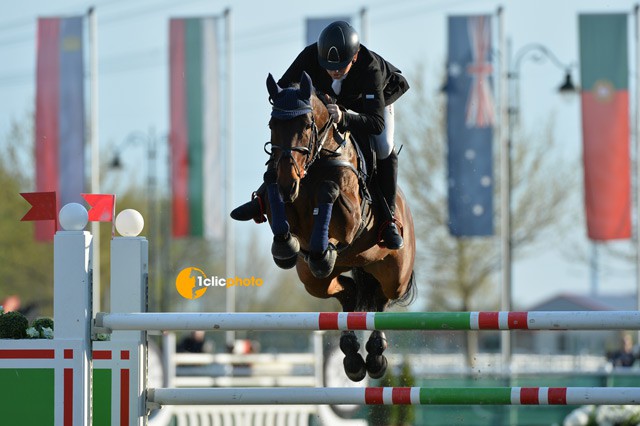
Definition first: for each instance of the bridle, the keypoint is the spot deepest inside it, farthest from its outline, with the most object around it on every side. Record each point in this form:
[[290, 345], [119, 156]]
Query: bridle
[[311, 152]]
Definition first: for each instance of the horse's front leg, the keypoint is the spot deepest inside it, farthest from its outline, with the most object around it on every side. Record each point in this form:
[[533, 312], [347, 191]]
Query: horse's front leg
[[322, 255], [285, 247]]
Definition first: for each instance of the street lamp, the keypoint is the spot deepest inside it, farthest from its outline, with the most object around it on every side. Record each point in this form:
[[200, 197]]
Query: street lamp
[[537, 53]]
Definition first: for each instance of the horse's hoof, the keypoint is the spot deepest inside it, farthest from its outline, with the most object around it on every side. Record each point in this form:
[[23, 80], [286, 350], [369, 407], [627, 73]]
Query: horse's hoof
[[377, 343], [354, 367], [285, 247], [286, 263], [321, 265], [376, 365], [349, 343]]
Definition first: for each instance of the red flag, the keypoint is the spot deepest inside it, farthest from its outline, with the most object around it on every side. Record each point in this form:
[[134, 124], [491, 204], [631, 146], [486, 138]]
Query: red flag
[[43, 207], [102, 207]]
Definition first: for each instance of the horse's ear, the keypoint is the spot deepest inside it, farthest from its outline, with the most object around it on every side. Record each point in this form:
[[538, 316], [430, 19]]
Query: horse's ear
[[272, 86], [305, 86]]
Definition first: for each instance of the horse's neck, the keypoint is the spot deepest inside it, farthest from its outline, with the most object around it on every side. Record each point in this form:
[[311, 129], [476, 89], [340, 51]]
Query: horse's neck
[[336, 141]]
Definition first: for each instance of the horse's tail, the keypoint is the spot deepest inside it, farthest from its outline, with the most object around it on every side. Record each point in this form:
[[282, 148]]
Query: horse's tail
[[369, 296], [410, 293]]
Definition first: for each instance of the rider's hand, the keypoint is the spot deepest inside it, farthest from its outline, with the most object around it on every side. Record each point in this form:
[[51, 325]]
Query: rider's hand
[[335, 112]]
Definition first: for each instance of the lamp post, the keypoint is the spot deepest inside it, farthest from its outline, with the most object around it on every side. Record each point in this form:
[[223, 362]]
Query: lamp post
[[536, 52]]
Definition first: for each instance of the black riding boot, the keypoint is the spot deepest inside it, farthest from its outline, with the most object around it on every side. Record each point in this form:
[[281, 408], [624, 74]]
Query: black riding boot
[[387, 182], [255, 209]]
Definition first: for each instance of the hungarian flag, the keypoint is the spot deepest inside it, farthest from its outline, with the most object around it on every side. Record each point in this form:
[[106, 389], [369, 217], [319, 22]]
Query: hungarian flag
[[605, 125], [196, 159], [470, 121], [60, 113]]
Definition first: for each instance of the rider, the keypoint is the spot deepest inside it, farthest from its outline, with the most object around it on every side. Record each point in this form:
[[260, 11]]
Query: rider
[[364, 86]]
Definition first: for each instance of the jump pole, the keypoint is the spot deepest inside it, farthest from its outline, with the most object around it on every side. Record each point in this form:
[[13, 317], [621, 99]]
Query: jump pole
[[129, 323], [396, 396], [567, 320]]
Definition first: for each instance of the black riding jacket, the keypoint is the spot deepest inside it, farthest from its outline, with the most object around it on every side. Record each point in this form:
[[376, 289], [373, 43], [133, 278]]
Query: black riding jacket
[[371, 84]]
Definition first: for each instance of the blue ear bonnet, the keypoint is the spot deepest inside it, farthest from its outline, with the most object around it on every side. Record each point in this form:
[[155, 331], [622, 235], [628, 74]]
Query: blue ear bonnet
[[290, 102], [287, 104]]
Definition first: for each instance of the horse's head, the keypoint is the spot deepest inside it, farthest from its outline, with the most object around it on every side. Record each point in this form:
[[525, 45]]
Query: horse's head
[[294, 133]]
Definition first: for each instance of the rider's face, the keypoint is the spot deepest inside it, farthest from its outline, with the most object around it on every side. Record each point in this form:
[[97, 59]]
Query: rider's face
[[338, 74]]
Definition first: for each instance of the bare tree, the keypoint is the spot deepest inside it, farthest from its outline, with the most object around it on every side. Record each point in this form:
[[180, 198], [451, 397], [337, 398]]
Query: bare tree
[[462, 274]]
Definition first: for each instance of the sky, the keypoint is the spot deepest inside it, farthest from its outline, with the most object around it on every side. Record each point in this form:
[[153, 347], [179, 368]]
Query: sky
[[266, 36]]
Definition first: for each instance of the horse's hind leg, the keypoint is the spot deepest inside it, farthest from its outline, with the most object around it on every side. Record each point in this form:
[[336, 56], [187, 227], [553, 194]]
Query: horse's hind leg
[[372, 298], [376, 363], [353, 363]]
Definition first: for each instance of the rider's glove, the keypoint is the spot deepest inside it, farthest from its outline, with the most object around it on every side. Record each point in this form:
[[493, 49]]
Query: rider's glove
[[335, 112]]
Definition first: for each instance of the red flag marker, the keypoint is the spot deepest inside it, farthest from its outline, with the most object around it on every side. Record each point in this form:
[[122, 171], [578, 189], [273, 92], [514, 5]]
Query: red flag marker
[[102, 207], [43, 206]]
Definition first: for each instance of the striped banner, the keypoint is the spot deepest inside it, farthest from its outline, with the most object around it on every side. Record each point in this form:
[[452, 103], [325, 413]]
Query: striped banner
[[60, 112], [196, 160], [537, 320], [604, 75], [397, 396]]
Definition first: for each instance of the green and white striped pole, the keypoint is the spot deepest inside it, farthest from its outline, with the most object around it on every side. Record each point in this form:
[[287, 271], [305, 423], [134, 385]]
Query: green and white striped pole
[[568, 320], [396, 396]]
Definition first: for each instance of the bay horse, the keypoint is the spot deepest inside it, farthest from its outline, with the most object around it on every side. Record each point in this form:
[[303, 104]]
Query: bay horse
[[323, 222]]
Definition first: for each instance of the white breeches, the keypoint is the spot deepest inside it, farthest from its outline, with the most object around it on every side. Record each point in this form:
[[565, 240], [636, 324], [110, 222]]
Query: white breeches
[[383, 143]]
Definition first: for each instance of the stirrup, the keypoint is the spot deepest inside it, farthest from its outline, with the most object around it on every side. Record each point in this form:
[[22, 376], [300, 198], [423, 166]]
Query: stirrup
[[253, 209]]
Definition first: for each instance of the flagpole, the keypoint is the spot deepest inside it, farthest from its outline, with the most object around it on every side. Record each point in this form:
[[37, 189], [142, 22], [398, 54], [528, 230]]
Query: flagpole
[[95, 149], [636, 127], [505, 185], [230, 259], [364, 25]]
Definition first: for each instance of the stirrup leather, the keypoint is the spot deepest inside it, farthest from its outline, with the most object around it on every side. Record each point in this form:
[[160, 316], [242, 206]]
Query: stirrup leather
[[260, 218]]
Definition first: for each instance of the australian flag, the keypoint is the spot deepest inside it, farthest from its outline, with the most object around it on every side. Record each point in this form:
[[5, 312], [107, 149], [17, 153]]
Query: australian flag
[[470, 121]]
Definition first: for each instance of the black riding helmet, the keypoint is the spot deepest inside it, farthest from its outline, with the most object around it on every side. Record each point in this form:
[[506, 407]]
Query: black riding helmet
[[337, 45]]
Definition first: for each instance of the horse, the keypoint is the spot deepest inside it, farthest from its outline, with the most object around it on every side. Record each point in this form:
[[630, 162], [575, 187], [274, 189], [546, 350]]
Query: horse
[[320, 212]]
